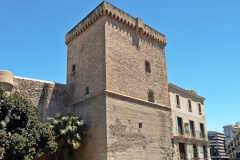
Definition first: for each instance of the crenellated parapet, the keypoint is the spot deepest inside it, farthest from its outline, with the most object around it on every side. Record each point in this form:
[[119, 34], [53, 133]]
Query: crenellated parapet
[[106, 9]]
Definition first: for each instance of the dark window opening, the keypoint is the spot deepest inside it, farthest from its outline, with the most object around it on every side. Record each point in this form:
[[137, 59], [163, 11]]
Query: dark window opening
[[199, 109], [205, 152], [202, 131], [147, 67], [73, 68], [182, 151], [140, 125], [178, 100], [150, 96], [192, 128], [87, 91], [189, 106], [195, 151], [180, 125]]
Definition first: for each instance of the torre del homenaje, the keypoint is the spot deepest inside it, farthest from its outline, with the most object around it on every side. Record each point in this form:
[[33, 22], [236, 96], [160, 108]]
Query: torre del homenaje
[[116, 81]]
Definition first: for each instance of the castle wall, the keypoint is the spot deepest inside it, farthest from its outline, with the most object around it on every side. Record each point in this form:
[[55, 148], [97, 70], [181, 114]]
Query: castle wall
[[126, 52], [129, 142], [93, 111], [51, 98], [87, 52]]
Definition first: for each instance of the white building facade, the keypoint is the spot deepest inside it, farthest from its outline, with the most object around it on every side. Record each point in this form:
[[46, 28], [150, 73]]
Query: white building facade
[[190, 139]]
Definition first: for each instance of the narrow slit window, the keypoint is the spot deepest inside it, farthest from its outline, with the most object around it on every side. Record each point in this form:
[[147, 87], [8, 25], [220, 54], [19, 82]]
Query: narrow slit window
[[73, 68], [150, 96], [140, 125], [87, 91], [199, 109], [189, 106], [180, 125], [178, 100], [147, 67]]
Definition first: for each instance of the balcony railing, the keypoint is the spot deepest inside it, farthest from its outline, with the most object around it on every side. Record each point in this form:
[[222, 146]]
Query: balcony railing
[[197, 135]]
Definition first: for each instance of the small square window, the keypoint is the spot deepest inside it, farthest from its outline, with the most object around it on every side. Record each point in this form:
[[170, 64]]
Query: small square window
[[140, 125]]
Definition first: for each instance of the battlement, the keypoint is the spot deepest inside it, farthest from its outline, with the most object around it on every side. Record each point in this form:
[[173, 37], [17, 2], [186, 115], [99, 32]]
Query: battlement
[[107, 9]]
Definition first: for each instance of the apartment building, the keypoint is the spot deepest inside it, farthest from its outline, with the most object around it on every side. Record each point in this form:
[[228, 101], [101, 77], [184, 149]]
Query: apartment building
[[233, 147], [190, 140], [217, 142]]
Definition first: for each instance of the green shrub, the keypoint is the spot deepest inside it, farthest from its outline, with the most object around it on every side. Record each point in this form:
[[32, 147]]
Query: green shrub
[[22, 135], [69, 130]]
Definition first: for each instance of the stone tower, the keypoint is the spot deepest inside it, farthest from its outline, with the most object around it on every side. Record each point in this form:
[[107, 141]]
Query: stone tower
[[117, 66]]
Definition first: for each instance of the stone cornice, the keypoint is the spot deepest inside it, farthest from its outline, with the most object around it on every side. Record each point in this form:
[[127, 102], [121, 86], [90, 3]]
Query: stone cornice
[[191, 93], [106, 9], [137, 100], [121, 96]]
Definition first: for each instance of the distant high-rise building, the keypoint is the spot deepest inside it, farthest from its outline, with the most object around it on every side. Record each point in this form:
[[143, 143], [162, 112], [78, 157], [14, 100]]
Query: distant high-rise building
[[230, 131], [217, 149]]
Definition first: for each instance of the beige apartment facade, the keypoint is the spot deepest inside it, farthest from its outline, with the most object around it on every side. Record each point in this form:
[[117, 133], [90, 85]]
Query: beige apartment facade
[[190, 140]]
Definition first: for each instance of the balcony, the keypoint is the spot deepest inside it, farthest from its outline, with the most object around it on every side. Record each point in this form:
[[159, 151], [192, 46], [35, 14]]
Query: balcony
[[186, 136]]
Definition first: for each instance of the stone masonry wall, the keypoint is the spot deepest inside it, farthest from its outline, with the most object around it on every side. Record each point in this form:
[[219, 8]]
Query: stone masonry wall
[[51, 98], [129, 142], [93, 111], [126, 53], [87, 52]]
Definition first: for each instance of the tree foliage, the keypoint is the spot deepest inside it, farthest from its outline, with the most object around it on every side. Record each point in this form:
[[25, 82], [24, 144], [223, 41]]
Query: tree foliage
[[69, 130], [22, 135]]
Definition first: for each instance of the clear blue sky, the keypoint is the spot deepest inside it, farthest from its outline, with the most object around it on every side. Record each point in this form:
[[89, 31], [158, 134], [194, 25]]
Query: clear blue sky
[[203, 50]]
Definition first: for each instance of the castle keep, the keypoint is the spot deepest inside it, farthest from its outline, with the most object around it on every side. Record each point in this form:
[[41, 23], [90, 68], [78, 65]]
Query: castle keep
[[116, 81]]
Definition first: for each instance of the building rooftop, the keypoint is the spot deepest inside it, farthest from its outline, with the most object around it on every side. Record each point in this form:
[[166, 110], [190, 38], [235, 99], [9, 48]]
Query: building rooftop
[[191, 93], [215, 132]]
